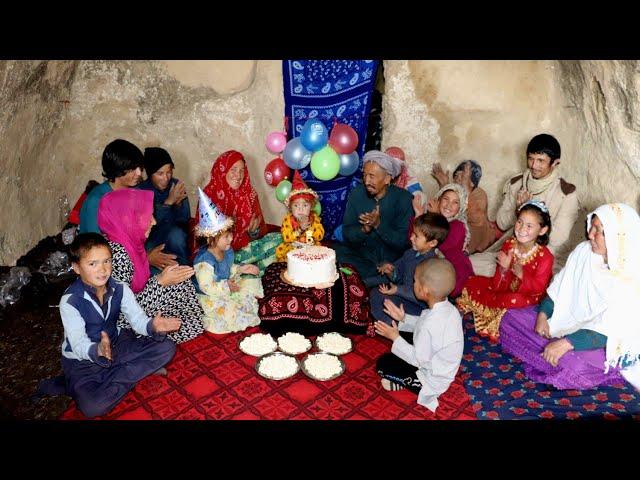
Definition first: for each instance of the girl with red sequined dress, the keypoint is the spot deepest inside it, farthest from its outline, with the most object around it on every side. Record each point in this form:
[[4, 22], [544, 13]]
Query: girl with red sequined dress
[[525, 267]]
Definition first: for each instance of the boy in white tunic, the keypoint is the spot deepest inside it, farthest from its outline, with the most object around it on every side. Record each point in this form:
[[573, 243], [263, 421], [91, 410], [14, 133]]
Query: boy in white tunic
[[427, 349]]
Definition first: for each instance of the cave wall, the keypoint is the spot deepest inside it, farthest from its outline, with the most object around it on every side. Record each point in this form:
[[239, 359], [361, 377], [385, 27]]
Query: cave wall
[[57, 116]]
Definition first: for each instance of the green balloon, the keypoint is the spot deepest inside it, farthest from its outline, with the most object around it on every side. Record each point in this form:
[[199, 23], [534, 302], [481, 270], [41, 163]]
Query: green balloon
[[317, 208], [282, 190], [325, 163]]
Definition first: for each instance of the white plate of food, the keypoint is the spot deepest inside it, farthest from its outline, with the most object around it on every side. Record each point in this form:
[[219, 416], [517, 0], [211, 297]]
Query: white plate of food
[[294, 343], [258, 344], [322, 366], [334, 343], [277, 366]]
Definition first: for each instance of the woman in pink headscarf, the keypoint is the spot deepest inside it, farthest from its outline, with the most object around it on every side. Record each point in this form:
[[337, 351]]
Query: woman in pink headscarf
[[125, 217]]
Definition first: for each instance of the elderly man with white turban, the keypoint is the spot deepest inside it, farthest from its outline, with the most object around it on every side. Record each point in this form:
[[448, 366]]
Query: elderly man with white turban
[[376, 220]]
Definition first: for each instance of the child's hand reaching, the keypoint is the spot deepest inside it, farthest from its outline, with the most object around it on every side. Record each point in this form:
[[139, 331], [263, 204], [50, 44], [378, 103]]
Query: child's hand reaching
[[504, 259], [104, 347], [391, 289], [166, 324], [390, 308], [249, 269], [390, 332], [386, 269], [233, 286]]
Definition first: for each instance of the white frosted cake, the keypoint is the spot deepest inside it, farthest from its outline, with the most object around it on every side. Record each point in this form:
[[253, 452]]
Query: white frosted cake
[[309, 266]]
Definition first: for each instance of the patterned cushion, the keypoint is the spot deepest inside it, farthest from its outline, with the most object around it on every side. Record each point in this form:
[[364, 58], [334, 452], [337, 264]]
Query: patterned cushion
[[343, 307]]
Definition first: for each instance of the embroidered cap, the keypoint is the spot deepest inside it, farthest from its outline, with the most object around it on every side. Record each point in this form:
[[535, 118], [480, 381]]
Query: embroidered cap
[[299, 189]]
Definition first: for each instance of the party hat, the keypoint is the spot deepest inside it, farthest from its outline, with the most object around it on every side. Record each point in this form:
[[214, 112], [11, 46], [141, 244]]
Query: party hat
[[299, 189], [211, 220]]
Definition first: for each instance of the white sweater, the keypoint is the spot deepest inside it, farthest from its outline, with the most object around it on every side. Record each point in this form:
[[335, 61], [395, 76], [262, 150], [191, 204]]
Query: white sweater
[[438, 343]]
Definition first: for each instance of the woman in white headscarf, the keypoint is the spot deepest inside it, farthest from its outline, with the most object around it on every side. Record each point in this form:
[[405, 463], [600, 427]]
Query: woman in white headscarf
[[451, 202], [586, 332]]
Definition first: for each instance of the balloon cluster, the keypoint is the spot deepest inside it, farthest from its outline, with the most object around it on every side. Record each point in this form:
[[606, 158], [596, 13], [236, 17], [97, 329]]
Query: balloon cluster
[[329, 155]]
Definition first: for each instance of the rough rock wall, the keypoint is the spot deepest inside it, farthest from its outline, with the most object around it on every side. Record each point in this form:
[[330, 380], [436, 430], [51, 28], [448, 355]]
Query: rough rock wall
[[57, 116], [600, 119], [33, 172], [448, 111]]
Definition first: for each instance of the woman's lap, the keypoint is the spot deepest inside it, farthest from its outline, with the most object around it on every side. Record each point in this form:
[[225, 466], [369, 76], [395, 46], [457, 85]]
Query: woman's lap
[[580, 370]]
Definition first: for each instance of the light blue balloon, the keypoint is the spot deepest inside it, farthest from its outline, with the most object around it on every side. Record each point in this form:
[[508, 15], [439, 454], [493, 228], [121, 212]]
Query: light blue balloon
[[349, 163], [295, 155], [314, 135]]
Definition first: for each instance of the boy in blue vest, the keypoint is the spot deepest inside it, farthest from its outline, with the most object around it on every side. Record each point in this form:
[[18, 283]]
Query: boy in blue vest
[[102, 363], [429, 231]]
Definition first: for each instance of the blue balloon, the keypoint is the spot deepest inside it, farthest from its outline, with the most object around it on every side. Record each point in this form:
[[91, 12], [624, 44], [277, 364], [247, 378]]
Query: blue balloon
[[314, 135], [295, 155], [349, 163]]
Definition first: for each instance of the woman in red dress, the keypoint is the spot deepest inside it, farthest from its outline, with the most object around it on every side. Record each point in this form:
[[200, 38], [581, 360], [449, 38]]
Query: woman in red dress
[[525, 267]]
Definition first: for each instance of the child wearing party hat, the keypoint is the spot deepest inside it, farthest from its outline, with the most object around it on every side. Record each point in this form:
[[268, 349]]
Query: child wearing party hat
[[301, 226], [229, 302]]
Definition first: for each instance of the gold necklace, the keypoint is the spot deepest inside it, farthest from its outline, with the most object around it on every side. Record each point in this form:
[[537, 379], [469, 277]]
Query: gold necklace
[[525, 258]]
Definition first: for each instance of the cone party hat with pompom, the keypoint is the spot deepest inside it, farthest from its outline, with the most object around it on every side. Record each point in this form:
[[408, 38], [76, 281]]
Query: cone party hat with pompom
[[211, 220], [299, 189]]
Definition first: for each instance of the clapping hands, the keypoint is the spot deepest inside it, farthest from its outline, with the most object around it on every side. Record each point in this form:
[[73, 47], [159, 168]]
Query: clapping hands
[[177, 193]]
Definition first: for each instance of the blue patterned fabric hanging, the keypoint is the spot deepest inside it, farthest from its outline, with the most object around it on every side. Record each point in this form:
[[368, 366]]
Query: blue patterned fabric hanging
[[330, 90]]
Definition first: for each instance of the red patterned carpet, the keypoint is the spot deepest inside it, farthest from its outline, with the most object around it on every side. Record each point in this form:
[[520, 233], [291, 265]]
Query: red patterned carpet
[[211, 379]]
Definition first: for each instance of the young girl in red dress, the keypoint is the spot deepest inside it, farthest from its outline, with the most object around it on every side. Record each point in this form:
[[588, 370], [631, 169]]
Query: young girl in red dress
[[525, 267]]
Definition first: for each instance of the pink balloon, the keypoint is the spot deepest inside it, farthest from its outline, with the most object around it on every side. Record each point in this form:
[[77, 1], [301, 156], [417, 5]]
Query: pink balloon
[[275, 142], [343, 138]]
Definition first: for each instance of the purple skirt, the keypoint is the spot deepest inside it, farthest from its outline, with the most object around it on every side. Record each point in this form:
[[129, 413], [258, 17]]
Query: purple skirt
[[576, 370]]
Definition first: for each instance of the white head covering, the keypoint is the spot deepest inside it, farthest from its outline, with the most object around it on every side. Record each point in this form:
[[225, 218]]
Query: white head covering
[[388, 163], [462, 213], [604, 297]]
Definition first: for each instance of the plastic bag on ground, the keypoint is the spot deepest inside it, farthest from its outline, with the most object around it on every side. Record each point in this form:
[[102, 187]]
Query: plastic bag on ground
[[11, 283], [56, 265]]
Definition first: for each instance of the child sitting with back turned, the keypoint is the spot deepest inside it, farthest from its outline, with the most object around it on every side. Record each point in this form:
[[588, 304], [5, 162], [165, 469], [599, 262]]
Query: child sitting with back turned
[[427, 349], [429, 231]]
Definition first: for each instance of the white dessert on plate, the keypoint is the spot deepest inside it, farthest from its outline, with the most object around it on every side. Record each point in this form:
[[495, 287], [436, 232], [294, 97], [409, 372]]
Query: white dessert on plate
[[310, 266], [294, 343], [322, 366], [334, 343], [258, 344], [277, 366]]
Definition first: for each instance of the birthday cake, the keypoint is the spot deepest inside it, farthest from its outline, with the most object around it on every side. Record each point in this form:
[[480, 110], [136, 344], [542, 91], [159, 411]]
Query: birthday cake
[[311, 266]]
